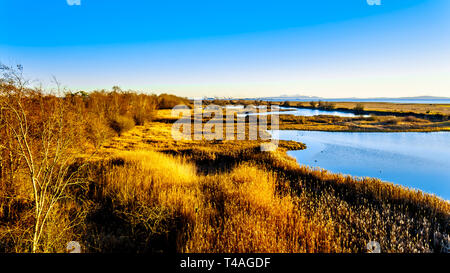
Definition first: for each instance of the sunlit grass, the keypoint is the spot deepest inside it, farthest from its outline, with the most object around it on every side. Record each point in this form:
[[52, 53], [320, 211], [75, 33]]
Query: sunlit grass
[[265, 202]]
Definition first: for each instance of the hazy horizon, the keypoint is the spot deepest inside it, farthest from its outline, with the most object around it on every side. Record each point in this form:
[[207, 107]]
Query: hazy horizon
[[334, 49]]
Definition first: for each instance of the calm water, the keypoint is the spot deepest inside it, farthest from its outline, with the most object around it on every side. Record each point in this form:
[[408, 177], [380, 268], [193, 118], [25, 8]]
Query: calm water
[[415, 160]]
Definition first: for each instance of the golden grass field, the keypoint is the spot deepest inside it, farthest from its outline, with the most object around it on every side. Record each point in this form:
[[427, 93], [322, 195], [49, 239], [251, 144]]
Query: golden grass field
[[230, 197]]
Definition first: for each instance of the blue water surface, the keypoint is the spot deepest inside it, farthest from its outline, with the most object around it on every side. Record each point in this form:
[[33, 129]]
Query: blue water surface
[[415, 160]]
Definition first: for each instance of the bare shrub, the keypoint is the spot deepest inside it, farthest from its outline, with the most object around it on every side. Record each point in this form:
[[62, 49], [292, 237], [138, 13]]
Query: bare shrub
[[121, 124]]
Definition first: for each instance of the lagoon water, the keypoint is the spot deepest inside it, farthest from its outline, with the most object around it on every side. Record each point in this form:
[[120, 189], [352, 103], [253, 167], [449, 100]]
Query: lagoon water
[[415, 160]]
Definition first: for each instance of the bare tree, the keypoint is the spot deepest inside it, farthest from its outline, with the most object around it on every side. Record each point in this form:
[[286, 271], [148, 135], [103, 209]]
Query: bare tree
[[39, 136]]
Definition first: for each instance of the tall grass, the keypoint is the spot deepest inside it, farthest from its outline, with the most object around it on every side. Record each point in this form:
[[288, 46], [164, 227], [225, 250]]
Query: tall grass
[[141, 203], [265, 203]]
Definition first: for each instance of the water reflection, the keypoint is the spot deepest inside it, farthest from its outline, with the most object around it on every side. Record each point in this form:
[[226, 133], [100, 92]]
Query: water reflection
[[416, 160]]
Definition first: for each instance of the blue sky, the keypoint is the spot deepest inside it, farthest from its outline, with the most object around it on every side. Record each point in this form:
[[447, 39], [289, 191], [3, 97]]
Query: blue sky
[[241, 48]]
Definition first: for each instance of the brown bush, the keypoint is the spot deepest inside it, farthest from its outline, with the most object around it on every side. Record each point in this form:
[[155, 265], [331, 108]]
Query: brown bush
[[286, 104], [166, 101], [313, 104], [121, 124], [325, 105], [359, 108], [412, 119], [391, 120], [102, 112]]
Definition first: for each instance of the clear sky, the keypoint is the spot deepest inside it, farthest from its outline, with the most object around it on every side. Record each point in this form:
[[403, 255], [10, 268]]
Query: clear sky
[[241, 48]]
